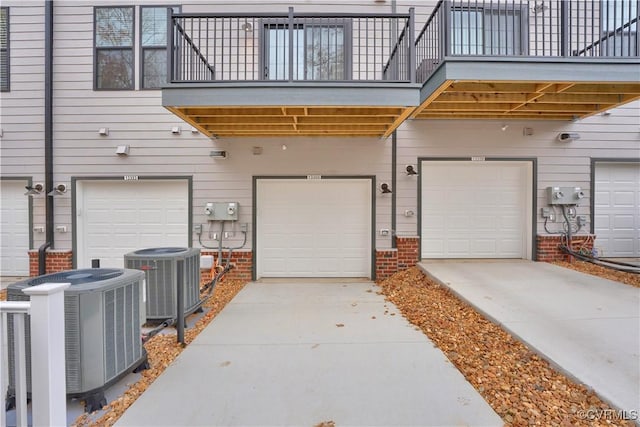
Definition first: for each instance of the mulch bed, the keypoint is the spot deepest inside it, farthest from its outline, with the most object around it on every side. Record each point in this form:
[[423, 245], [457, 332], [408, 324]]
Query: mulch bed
[[519, 385], [632, 279], [162, 350], [3, 295]]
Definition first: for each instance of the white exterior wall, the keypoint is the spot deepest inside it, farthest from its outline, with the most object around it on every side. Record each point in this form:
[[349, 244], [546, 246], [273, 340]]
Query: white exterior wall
[[137, 118]]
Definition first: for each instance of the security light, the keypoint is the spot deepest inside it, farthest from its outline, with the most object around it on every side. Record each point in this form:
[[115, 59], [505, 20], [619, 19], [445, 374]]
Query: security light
[[384, 188], [411, 171], [34, 190]]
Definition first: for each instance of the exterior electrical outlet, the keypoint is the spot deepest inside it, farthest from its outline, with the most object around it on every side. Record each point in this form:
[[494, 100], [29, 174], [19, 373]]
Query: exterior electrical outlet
[[222, 211], [564, 195]]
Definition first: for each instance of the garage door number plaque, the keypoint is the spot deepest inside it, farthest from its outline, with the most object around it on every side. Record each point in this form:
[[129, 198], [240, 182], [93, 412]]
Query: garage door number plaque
[[130, 177]]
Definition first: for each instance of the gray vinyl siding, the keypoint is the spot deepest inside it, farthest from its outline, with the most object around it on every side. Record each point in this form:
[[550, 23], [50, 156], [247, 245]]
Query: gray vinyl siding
[[137, 118]]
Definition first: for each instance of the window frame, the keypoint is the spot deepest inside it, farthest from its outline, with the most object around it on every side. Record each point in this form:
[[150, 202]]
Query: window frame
[[7, 49], [488, 11], [176, 9], [301, 23], [96, 49]]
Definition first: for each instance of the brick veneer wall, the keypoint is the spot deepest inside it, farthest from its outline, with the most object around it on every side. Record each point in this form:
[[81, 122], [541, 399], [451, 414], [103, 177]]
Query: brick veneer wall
[[242, 261], [391, 261], [549, 250], [386, 263], [57, 260], [408, 252]]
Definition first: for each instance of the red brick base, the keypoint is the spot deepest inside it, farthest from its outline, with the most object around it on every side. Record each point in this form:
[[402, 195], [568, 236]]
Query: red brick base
[[241, 260], [390, 261], [57, 260], [548, 247]]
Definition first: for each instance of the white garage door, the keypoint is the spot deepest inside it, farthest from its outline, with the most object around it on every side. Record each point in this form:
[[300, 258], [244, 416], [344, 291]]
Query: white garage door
[[314, 228], [476, 209], [617, 209], [14, 221], [116, 217]]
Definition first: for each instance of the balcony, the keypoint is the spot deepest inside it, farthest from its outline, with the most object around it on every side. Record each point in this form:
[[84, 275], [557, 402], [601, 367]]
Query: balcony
[[292, 74], [511, 59], [233, 75]]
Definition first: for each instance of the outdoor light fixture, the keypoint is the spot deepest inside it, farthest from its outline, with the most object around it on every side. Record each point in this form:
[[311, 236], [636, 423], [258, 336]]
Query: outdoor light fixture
[[568, 136], [284, 147], [34, 190], [247, 27], [384, 188], [103, 131], [58, 190], [504, 128], [176, 130], [411, 170], [539, 8]]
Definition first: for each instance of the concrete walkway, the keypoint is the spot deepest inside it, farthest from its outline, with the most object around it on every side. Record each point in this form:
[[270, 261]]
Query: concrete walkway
[[300, 353], [587, 326]]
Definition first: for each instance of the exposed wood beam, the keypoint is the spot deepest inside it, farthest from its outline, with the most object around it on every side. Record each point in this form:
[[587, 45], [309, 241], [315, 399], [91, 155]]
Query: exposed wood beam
[[443, 87], [398, 121]]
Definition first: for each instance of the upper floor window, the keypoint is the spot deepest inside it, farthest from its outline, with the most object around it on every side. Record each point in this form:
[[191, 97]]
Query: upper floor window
[[114, 57], [4, 49], [153, 46], [489, 30], [319, 51], [619, 27]]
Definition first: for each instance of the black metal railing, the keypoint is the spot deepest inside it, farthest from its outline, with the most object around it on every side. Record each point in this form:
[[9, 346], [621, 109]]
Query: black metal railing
[[549, 28], [291, 47]]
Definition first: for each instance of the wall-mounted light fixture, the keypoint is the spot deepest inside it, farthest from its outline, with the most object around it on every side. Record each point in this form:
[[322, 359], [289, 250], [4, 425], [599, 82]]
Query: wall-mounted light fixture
[[411, 170], [568, 136], [284, 147], [504, 127], [34, 190], [247, 27], [58, 190], [539, 7], [122, 150], [103, 131], [384, 188], [176, 130]]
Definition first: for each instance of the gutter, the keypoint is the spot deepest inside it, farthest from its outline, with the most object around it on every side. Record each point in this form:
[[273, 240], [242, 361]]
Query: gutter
[[48, 135]]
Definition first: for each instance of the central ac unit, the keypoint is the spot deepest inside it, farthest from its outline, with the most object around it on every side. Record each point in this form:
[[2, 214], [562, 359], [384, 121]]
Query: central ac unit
[[103, 313], [161, 266]]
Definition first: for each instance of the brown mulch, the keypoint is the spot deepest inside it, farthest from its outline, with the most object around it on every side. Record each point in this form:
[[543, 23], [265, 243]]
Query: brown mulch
[[3, 295], [520, 386], [162, 351], [632, 279]]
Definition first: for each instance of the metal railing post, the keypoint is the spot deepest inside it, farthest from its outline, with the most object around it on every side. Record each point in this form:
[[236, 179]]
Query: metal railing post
[[290, 51], [170, 46], [48, 373], [412, 45], [564, 28], [445, 28]]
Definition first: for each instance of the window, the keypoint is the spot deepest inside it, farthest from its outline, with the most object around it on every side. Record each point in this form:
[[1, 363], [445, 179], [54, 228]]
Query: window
[[485, 30], [619, 27], [319, 51], [153, 46], [4, 49], [114, 47]]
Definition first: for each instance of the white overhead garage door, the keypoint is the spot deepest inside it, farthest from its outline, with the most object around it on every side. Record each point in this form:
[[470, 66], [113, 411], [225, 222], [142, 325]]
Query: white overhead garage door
[[14, 223], [617, 209], [476, 209], [116, 217], [313, 228]]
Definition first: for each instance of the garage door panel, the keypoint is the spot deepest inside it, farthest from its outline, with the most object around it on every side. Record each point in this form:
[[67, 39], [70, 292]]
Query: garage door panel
[[617, 209], [14, 230], [479, 206], [116, 217], [315, 224]]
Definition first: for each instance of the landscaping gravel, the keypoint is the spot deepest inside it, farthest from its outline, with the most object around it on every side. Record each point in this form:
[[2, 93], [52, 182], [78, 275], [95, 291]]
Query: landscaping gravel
[[519, 385], [632, 279]]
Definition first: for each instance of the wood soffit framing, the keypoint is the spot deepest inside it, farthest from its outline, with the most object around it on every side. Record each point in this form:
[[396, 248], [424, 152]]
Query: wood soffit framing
[[524, 100]]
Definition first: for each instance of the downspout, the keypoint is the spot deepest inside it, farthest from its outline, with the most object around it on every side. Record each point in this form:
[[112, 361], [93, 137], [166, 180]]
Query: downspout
[[394, 195], [48, 135]]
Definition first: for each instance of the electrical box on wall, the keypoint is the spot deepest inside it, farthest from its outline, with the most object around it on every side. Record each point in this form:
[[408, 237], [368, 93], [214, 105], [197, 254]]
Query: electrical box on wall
[[221, 211], [564, 195]]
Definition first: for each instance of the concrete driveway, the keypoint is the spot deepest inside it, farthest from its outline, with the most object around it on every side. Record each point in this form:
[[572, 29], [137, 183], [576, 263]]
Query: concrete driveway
[[587, 326], [303, 352]]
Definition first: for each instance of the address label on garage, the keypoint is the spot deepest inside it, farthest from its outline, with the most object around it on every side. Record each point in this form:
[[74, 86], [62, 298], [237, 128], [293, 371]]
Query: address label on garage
[[130, 177]]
